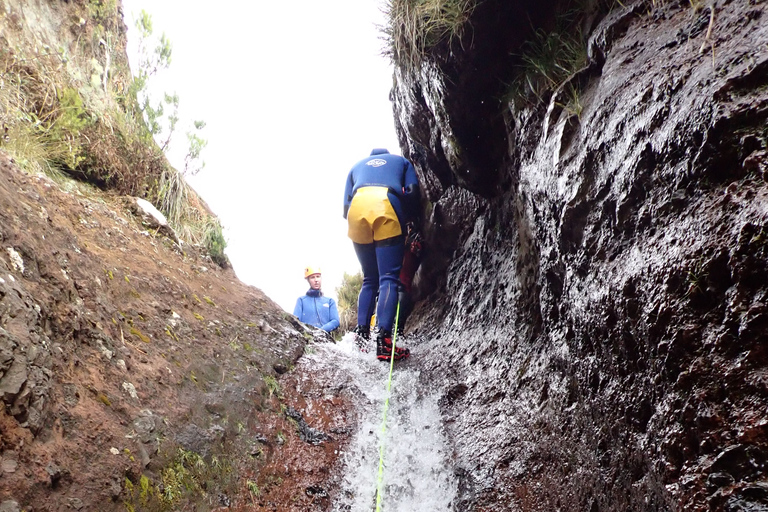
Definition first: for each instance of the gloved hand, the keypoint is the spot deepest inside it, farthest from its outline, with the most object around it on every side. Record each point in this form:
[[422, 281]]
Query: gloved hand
[[413, 239]]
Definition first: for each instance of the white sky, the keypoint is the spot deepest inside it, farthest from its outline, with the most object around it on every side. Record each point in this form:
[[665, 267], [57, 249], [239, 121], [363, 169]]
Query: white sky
[[293, 94]]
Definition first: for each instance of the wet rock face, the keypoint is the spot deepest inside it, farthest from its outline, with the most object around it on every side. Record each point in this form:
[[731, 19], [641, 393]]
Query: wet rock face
[[604, 313], [449, 113]]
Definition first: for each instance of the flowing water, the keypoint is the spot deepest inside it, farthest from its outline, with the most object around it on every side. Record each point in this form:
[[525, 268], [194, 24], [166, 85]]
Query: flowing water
[[417, 473]]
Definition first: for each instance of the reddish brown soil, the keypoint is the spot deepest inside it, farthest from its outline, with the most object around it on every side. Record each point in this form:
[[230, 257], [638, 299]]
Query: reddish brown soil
[[93, 313]]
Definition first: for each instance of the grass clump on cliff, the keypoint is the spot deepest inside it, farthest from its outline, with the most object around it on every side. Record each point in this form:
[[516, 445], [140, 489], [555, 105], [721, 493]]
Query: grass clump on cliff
[[414, 27], [72, 107], [549, 60]]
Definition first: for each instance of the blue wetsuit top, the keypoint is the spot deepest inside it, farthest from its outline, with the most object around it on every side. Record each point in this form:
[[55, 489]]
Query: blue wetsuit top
[[383, 169], [317, 310]]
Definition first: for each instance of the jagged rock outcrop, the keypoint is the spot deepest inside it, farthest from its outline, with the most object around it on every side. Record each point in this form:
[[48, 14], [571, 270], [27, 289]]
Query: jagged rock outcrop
[[600, 315]]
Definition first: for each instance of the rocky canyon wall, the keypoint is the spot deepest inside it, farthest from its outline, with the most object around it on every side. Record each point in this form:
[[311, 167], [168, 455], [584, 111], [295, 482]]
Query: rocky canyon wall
[[595, 278]]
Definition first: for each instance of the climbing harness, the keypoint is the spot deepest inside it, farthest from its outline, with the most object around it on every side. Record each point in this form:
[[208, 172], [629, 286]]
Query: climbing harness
[[380, 479]]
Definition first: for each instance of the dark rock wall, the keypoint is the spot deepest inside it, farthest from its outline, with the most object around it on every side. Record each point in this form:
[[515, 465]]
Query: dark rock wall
[[597, 289]]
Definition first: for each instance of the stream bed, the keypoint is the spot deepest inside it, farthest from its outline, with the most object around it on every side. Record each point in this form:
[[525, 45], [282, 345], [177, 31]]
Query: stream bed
[[417, 473]]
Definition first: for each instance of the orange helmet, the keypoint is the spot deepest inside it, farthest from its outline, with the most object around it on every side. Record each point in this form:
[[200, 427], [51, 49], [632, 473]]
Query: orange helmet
[[308, 271]]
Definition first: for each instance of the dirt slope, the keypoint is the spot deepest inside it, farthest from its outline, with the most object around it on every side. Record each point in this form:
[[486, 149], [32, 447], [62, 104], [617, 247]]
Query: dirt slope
[[136, 374]]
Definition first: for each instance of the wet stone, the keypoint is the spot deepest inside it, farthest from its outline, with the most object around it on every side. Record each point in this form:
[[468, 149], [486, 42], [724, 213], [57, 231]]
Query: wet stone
[[54, 472], [752, 498], [306, 433], [734, 460], [316, 491], [756, 491], [717, 480], [9, 506], [195, 439], [75, 503], [9, 466]]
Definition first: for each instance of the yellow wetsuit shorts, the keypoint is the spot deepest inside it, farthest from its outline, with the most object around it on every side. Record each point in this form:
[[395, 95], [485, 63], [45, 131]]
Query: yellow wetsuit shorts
[[371, 216]]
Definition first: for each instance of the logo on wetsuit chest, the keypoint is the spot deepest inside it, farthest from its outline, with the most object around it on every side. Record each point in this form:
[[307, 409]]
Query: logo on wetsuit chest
[[376, 162]]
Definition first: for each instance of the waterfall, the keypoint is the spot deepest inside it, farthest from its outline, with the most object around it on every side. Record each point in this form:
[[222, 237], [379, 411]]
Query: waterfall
[[417, 473]]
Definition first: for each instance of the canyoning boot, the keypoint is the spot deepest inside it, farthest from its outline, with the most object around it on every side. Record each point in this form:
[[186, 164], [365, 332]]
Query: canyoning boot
[[362, 337], [384, 348]]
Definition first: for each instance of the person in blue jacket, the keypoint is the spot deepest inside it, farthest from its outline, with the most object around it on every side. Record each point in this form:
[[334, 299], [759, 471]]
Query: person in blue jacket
[[314, 308], [381, 196]]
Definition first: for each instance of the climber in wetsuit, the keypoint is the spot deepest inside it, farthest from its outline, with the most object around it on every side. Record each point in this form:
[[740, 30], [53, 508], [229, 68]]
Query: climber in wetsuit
[[314, 308], [381, 196]]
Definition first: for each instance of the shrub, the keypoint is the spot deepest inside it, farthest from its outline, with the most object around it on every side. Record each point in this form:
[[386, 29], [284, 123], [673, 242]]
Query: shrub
[[346, 295]]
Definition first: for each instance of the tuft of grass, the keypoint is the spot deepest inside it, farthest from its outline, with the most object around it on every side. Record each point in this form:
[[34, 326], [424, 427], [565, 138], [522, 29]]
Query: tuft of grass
[[173, 196], [253, 490], [185, 476], [272, 386], [549, 60], [573, 103], [414, 27]]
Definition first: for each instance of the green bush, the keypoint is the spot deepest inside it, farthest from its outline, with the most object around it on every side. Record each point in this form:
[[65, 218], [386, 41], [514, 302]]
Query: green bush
[[215, 242], [346, 296]]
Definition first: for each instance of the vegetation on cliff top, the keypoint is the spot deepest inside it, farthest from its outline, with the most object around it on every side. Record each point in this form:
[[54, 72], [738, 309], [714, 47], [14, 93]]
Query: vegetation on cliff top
[[70, 106], [415, 28]]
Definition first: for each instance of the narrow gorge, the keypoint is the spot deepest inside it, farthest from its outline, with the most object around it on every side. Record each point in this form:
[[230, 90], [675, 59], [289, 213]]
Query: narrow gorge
[[592, 309]]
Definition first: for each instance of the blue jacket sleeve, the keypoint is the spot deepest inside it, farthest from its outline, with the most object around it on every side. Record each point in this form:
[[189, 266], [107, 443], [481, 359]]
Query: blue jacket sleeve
[[348, 193], [333, 313], [298, 309]]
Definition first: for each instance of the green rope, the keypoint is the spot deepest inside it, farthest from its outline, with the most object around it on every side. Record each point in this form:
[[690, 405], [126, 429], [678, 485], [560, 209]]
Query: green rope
[[380, 480]]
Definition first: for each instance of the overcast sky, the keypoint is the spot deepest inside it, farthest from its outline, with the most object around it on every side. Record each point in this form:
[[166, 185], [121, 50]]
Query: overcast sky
[[293, 94]]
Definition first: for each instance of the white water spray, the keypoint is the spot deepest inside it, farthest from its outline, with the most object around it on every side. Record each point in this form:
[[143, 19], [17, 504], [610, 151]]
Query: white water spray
[[417, 472]]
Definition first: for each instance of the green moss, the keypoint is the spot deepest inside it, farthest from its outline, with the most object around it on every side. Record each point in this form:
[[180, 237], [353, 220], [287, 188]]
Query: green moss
[[184, 478], [170, 333], [143, 337]]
